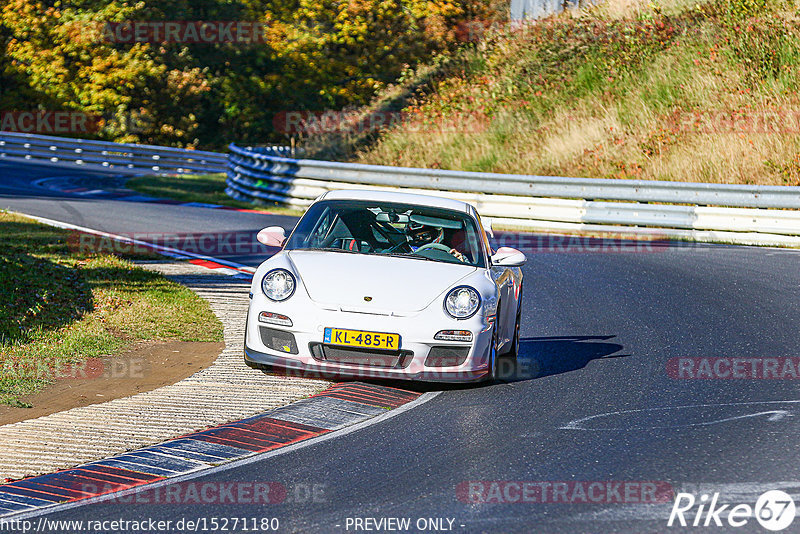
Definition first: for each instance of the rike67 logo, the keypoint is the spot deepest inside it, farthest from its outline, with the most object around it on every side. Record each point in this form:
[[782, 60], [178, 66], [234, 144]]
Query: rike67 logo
[[774, 510]]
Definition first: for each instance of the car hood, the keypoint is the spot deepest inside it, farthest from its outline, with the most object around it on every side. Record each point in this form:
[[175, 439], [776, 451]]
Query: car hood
[[342, 280]]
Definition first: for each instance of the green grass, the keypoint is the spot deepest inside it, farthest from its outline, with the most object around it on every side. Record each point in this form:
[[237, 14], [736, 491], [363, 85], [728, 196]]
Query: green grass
[[62, 306], [204, 188]]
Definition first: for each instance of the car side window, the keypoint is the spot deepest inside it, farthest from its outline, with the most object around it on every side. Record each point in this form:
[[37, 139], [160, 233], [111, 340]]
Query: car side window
[[323, 227], [466, 241], [483, 237]]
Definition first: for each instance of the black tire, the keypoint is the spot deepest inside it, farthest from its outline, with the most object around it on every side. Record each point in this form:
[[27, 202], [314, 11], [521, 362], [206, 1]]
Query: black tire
[[513, 350], [493, 357]]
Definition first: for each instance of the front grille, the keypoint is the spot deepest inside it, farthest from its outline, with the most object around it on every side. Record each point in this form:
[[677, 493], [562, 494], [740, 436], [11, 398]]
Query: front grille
[[446, 356], [363, 357], [278, 340]]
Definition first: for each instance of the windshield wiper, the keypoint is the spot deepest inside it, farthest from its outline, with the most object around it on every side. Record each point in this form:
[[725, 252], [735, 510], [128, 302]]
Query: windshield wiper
[[331, 249], [411, 255]]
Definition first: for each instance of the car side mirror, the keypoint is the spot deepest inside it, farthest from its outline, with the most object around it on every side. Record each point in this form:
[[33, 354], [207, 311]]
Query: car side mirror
[[487, 227], [273, 236], [508, 257]]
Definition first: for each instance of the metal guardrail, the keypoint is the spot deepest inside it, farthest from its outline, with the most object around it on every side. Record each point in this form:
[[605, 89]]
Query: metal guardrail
[[707, 212], [105, 155], [714, 212]]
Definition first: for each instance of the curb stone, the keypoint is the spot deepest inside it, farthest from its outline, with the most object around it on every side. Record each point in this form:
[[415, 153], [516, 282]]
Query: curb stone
[[339, 406]]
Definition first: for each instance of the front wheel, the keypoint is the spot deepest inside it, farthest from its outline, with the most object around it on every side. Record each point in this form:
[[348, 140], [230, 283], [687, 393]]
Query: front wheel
[[513, 350], [493, 356]]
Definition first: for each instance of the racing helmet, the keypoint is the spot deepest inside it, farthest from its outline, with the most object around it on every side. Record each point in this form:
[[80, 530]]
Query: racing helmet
[[422, 234]]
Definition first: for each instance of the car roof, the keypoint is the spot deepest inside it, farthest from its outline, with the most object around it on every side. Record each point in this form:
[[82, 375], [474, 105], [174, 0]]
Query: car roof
[[397, 197]]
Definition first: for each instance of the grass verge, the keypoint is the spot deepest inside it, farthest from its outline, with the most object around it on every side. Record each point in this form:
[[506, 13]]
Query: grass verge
[[62, 306], [203, 188]]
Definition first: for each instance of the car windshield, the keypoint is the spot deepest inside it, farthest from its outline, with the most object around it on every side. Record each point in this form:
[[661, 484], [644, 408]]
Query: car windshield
[[379, 228]]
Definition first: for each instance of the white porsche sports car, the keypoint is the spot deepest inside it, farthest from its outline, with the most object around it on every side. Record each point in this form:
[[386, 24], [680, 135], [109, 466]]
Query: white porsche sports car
[[385, 285]]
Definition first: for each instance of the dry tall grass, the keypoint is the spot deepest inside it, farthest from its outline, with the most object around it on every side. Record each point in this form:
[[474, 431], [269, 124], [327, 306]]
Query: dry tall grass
[[649, 91]]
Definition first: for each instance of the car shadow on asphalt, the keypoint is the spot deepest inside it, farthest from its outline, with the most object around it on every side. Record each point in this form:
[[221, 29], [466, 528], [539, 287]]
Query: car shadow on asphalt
[[540, 357]]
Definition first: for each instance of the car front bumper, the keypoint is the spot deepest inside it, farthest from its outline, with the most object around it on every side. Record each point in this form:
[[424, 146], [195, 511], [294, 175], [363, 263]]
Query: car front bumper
[[304, 353], [295, 367]]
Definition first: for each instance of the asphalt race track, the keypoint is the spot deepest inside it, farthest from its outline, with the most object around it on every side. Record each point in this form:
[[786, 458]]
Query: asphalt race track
[[595, 397]]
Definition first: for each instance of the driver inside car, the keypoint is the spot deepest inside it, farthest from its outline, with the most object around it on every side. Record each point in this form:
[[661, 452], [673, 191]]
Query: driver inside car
[[420, 235]]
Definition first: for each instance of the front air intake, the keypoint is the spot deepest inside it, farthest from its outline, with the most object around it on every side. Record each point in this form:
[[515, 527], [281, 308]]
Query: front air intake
[[446, 356], [278, 340], [361, 357]]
